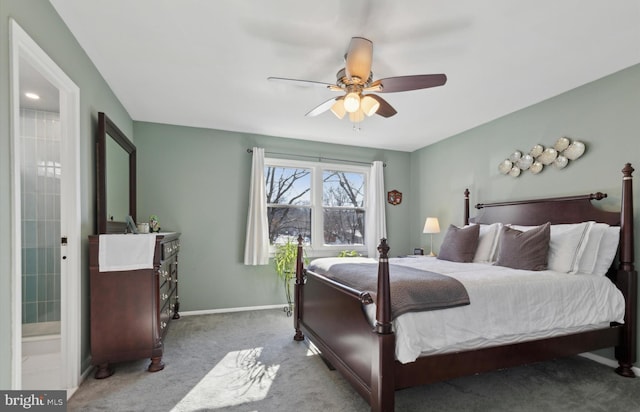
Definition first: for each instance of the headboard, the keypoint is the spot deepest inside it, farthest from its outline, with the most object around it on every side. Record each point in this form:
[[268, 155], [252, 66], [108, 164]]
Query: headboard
[[568, 209]]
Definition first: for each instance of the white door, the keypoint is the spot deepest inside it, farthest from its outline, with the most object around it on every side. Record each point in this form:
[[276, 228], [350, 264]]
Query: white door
[[46, 220]]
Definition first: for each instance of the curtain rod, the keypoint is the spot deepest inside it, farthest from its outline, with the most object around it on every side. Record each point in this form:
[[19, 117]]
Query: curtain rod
[[319, 158]]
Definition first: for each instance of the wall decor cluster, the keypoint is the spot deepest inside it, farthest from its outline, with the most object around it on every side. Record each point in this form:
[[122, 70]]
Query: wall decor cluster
[[538, 157]]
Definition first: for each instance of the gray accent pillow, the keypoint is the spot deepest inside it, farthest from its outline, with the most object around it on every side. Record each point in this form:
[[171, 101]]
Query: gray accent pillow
[[460, 244], [524, 250]]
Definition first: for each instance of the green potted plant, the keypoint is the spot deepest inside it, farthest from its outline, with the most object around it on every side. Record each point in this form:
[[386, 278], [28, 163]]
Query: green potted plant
[[348, 253], [284, 261]]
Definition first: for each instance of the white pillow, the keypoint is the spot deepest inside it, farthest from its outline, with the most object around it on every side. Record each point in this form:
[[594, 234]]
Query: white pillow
[[566, 245], [588, 260], [487, 243], [607, 250]]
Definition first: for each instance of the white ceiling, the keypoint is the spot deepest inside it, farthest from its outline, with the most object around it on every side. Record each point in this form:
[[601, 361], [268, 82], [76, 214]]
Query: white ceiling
[[205, 63]]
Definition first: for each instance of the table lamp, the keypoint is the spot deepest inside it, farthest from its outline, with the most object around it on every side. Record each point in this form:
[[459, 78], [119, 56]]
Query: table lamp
[[431, 226]]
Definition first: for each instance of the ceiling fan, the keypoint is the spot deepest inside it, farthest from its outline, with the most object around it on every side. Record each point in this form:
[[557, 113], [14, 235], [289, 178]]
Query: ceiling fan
[[355, 80]]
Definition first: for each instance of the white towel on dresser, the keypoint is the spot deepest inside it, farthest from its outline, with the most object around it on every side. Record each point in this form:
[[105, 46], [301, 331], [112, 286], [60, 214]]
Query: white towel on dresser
[[126, 252]]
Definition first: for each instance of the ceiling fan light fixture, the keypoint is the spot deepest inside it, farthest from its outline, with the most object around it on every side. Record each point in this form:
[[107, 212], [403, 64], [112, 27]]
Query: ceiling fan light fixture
[[358, 91], [338, 109], [369, 105], [352, 102]]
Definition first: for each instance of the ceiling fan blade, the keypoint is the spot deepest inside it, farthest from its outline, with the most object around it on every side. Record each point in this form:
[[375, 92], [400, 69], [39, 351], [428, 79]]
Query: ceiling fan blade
[[385, 109], [406, 83], [303, 83], [358, 58], [323, 107]]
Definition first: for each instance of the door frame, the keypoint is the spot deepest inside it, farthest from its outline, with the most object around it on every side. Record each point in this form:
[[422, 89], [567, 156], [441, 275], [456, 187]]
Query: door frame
[[23, 46]]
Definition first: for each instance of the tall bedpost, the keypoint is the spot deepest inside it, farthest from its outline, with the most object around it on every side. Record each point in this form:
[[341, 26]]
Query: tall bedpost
[[298, 290], [627, 278], [382, 371], [466, 207]]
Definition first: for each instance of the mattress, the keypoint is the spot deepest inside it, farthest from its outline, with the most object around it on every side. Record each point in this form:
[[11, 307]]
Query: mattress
[[507, 306]]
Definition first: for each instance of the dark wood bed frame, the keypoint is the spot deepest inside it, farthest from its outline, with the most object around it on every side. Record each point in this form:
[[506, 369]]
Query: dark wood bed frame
[[333, 318]]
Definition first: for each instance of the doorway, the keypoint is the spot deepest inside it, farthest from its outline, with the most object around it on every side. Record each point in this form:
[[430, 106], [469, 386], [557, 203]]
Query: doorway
[[45, 198]]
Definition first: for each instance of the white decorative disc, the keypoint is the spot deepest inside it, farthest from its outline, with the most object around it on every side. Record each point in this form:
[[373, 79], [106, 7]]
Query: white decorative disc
[[574, 151], [561, 144], [505, 166], [515, 156], [525, 162], [561, 162], [515, 171], [536, 150], [548, 156], [536, 167]]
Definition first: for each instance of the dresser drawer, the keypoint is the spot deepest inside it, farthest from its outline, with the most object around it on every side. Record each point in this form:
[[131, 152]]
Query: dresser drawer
[[170, 248], [166, 313], [167, 289], [164, 273]]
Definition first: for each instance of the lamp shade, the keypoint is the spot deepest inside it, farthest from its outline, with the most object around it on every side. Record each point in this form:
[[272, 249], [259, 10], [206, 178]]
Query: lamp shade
[[352, 102], [369, 105], [338, 109], [431, 225]]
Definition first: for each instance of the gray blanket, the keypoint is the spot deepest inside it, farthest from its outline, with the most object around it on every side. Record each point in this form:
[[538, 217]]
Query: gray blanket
[[412, 290]]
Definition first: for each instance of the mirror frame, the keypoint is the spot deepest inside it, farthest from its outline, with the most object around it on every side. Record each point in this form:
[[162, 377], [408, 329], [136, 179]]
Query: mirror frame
[[106, 128]]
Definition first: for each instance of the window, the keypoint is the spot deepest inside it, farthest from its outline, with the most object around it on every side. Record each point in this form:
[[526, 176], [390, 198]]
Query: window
[[288, 191], [325, 203]]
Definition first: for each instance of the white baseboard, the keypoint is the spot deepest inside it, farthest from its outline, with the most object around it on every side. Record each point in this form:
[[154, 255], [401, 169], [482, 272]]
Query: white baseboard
[[88, 370], [83, 376], [606, 361], [229, 310]]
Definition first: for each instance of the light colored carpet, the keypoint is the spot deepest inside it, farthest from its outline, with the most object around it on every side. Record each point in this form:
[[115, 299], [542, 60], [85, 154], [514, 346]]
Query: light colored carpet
[[248, 361]]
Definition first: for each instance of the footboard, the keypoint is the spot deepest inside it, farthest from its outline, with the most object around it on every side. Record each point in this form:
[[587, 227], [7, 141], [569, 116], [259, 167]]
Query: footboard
[[332, 316]]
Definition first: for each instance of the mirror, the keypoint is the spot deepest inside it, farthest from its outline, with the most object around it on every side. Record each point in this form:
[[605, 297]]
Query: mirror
[[116, 177]]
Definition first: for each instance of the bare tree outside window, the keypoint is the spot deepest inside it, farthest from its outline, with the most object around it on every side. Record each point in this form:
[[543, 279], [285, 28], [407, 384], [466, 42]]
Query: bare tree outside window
[[288, 192], [343, 196]]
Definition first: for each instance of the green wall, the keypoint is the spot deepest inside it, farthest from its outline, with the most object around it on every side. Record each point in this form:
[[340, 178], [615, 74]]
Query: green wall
[[197, 182], [40, 20]]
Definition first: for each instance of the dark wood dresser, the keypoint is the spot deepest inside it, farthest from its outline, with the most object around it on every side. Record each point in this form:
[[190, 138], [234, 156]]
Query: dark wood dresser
[[131, 309]]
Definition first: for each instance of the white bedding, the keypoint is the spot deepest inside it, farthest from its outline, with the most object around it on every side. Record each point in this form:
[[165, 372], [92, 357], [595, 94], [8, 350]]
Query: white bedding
[[507, 305]]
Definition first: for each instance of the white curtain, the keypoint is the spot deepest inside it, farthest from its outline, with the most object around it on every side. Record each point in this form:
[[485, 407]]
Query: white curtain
[[376, 223], [256, 249]]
